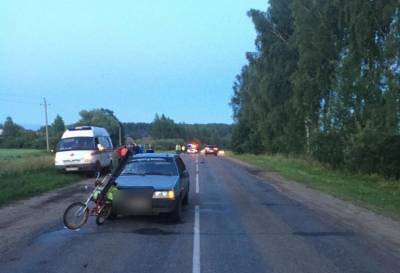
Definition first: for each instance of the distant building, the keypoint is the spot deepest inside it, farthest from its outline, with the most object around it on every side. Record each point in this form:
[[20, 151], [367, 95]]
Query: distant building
[[1, 132]]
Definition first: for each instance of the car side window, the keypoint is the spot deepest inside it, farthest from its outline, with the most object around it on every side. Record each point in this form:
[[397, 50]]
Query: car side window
[[181, 165]]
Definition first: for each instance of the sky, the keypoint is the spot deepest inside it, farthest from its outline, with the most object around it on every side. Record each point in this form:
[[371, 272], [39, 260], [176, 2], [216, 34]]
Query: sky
[[135, 57]]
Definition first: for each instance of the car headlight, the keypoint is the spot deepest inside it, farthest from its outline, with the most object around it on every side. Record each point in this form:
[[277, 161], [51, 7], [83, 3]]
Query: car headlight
[[164, 195]]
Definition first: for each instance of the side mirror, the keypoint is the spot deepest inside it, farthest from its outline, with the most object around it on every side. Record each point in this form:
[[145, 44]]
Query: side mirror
[[100, 147]]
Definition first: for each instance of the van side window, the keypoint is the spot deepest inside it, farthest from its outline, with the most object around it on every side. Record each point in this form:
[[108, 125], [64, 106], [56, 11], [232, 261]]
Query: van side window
[[110, 145], [104, 142]]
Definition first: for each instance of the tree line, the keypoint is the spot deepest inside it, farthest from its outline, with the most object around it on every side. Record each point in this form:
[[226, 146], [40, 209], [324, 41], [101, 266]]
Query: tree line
[[324, 82], [166, 128], [163, 131]]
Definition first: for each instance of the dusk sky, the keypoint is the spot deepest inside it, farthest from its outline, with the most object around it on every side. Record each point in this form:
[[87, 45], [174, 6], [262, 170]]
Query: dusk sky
[[135, 57]]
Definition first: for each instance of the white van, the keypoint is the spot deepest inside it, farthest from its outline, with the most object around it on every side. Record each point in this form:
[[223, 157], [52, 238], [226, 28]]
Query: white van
[[84, 148]]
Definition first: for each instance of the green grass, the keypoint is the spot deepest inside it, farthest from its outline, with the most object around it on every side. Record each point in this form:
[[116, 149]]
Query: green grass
[[6, 154], [373, 192], [25, 173]]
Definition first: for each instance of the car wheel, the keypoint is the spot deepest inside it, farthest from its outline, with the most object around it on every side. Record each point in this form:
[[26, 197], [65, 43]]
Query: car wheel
[[176, 214], [185, 200]]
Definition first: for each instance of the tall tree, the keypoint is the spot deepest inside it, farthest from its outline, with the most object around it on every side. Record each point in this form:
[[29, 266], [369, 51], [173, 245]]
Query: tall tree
[[325, 80], [102, 118], [58, 126], [10, 129]]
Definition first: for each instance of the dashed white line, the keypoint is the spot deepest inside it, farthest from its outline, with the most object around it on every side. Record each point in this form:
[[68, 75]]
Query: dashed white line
[[197, 183], [197, 175], [196, 241]]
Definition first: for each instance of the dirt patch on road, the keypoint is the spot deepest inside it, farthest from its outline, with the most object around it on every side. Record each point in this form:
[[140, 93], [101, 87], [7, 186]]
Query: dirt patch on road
[[378, 227], [20, 221]]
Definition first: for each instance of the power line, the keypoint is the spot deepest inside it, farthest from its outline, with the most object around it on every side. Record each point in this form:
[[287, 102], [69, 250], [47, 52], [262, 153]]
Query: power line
[[18, 101]]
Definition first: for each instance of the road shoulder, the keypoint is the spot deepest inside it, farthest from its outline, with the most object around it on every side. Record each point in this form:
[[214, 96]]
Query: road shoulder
[[21, 220], [371, 224]]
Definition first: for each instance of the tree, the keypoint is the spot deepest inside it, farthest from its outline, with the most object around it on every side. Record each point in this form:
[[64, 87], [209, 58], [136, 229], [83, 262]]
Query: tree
[[164, 127], [58, 126], [324, 82], [56, 130], [10, 129], [102, 118]]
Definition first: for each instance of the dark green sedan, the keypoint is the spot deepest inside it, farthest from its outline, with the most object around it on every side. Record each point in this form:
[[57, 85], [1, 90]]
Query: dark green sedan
[[151, 184]]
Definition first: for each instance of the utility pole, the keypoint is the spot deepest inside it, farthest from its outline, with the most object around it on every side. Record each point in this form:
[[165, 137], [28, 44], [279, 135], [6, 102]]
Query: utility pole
[[47, 124]]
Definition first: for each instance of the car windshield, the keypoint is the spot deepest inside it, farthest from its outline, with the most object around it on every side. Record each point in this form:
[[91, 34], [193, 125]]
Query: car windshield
[[150, 166], [76, 143]]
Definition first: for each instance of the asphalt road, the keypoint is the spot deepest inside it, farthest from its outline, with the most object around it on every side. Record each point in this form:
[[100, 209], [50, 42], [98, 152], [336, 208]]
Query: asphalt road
[[235, 222]]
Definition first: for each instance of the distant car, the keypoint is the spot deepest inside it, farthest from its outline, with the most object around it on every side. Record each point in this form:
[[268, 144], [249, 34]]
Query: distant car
[[151, 184], [192, 148], [211, 150], [84, 148]]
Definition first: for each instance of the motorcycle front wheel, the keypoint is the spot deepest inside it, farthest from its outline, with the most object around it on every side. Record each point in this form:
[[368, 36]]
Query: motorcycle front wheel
[[76, 215]]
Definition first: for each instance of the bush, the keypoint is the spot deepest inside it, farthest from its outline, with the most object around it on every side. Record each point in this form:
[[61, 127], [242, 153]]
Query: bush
[[328, 148], [390, 160]]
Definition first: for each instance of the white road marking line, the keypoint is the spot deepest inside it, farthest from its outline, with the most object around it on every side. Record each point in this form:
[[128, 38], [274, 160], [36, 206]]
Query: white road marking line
[[197, 175], [197, 183], [196, 241]]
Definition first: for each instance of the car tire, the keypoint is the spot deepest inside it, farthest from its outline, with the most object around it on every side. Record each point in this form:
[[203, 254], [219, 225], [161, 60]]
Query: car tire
[[176, 215], [185, 200]]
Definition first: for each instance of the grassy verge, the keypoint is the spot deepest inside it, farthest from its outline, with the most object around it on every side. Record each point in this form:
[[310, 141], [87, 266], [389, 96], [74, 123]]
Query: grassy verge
[[373, 192], [25, 173]]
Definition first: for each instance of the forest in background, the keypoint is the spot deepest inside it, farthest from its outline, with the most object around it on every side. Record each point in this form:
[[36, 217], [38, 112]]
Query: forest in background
[[163, 132], [324, 83]]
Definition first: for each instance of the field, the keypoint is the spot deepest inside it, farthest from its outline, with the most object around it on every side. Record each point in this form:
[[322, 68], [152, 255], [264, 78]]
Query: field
[[373, 192], [26, 172]]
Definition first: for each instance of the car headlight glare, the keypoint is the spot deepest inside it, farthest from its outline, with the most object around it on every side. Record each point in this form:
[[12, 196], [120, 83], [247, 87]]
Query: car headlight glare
[[164, 195]]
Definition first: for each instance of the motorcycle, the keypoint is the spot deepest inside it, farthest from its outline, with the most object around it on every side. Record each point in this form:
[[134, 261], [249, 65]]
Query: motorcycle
[[99, 202]]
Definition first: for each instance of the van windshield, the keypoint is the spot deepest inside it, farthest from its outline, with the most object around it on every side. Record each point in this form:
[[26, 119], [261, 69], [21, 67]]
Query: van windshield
[[76, 143]]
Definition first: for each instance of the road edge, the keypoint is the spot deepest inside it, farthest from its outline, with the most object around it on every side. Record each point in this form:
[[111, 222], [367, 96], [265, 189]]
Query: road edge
[[21, 220], [379, 227]]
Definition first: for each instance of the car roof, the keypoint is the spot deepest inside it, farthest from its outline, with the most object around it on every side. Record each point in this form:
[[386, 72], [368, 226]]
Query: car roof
[[151, 155]]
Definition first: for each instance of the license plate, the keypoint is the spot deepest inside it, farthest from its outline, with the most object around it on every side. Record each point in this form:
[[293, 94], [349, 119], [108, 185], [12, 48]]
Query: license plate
[[72, 169], [139, 204]]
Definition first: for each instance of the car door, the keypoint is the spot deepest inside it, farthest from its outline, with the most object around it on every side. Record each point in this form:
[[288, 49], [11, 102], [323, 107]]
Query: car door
[[183, 174], [102, 154], [109, 150]]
